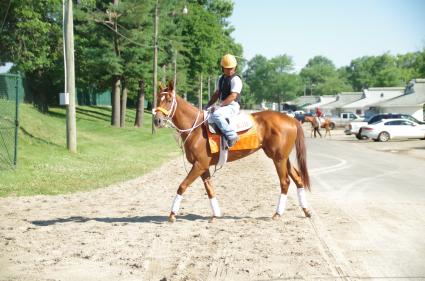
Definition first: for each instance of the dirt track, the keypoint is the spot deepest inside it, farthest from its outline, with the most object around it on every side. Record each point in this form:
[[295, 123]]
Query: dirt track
[[121, 233]]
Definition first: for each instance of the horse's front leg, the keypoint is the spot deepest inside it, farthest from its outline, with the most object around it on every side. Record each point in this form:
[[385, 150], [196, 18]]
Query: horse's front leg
[[195, 172], [206, 178], [281, 168]]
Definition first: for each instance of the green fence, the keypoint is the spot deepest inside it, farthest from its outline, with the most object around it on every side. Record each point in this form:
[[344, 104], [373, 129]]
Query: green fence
[[92, 98], [11, 93]]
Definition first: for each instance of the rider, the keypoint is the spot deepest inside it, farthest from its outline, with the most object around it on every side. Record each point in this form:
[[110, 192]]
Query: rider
[[319, 114], [229, 88]]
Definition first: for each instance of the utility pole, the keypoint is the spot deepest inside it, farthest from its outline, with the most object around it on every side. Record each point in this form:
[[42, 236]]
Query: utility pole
[[200, 95], [209, 87], [155, 62], [117, 85], [175, 68], [71, 127]]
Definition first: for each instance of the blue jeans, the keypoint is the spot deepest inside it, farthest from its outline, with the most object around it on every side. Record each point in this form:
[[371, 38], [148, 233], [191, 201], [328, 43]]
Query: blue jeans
[[219, 118]]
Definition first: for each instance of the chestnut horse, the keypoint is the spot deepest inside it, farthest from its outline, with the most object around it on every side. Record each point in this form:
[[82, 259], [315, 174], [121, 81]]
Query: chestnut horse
[[326, 124], [277, 133]]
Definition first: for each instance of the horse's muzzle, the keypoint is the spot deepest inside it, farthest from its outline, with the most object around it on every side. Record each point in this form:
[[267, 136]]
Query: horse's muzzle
[[159, 121]]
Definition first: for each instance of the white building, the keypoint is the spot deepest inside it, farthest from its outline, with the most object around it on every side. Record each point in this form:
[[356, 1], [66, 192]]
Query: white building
[[323, 100], [303, 101], [371, 97], [343, 98], [412, 102]]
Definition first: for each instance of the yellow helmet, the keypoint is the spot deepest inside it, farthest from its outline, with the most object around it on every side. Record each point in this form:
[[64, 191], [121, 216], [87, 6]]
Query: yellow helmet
[[228, 61]]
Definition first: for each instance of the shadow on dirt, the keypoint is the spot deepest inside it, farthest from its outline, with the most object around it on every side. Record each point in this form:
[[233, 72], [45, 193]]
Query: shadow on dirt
[[138, 219]]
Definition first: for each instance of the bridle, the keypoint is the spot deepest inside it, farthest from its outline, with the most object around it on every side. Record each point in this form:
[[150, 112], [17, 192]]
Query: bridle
[[169, 114]]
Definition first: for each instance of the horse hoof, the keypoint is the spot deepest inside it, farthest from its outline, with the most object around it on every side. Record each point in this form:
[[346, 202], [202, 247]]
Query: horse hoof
[[307, 213], [213, 219], [171, 218], [276, 216]]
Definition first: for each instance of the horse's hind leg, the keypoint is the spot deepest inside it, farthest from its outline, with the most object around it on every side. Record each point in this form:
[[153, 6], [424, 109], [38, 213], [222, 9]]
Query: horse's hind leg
[[295, 175], [195, 172], [282, 172], [206, 178], [327, 131]]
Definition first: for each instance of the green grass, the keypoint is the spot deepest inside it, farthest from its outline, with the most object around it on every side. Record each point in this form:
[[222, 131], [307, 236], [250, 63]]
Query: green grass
[[105, 155]]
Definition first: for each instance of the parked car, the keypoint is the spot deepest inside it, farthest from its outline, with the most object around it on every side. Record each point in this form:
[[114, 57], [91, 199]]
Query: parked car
[[344, 118], [355, 128], [300, 117], [289, 113], [387, 129]]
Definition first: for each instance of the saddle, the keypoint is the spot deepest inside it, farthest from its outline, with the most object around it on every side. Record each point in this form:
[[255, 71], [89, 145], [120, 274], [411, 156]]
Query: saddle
[[245, 127]]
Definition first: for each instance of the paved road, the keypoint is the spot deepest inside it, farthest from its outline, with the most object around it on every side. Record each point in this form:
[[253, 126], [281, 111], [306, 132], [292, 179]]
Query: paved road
[[369, 202]]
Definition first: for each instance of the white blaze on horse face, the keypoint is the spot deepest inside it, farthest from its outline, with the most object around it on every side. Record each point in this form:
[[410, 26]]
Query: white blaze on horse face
[[176, 204], [215, 207], [162, 98], [281, 204], [301, 197]]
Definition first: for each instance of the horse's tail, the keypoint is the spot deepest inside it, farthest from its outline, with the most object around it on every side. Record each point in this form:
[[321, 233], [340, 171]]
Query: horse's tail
[[302, 156]]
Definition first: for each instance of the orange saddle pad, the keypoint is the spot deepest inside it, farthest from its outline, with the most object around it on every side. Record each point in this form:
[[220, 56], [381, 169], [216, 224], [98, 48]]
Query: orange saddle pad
[[248, 139]]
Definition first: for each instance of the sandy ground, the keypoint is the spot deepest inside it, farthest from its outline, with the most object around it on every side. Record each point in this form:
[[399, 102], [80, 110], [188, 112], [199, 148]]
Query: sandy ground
[[121, 232]]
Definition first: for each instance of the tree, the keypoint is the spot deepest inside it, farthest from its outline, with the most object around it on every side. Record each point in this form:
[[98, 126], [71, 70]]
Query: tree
[[375, 71], [205, 39], [120, 51], [34, 46], [320, 73], [257, 76]]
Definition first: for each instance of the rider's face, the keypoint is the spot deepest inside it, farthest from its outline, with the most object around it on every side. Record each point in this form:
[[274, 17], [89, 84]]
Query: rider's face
[[229, 71]]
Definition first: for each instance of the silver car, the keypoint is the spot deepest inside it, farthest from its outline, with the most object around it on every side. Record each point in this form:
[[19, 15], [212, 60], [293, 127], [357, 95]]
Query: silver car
[[387, 129]]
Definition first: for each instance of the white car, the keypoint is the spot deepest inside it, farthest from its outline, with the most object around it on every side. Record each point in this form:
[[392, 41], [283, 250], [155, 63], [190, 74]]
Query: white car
[[387, 129]]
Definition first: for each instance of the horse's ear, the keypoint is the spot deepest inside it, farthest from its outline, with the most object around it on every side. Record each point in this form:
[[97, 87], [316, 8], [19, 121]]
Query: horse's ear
[[161, 87], [170, 85]]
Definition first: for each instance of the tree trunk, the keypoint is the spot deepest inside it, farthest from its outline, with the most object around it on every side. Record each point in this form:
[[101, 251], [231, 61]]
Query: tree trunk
[[138, 122], [123, 106], [116, 93]]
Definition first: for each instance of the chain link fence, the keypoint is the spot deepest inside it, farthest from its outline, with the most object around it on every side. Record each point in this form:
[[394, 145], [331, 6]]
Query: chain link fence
[[11, 92]]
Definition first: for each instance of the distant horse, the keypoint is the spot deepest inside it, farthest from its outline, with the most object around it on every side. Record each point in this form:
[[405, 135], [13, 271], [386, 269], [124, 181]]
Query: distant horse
[[326, 124], [277, 133]]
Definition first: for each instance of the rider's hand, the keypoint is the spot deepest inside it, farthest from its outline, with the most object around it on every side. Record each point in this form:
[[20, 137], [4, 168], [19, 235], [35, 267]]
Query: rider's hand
[[212, 108]]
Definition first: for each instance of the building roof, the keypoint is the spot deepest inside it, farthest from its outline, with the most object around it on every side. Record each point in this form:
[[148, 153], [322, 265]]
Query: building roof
[[414, 96], [373, 96], [344, 98], [304, 100], [322, 101]]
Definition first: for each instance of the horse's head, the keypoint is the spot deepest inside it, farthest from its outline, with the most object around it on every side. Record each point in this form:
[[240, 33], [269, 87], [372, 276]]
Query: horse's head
[[165, 106]]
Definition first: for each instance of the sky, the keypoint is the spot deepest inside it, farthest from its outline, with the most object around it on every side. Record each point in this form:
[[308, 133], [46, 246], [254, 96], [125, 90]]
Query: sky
[[340, 30]]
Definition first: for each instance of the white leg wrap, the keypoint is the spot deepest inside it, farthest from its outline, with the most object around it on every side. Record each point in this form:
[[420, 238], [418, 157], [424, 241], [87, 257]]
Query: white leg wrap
[[215, 208], [281, 204], [176, 204], [301, 197]]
